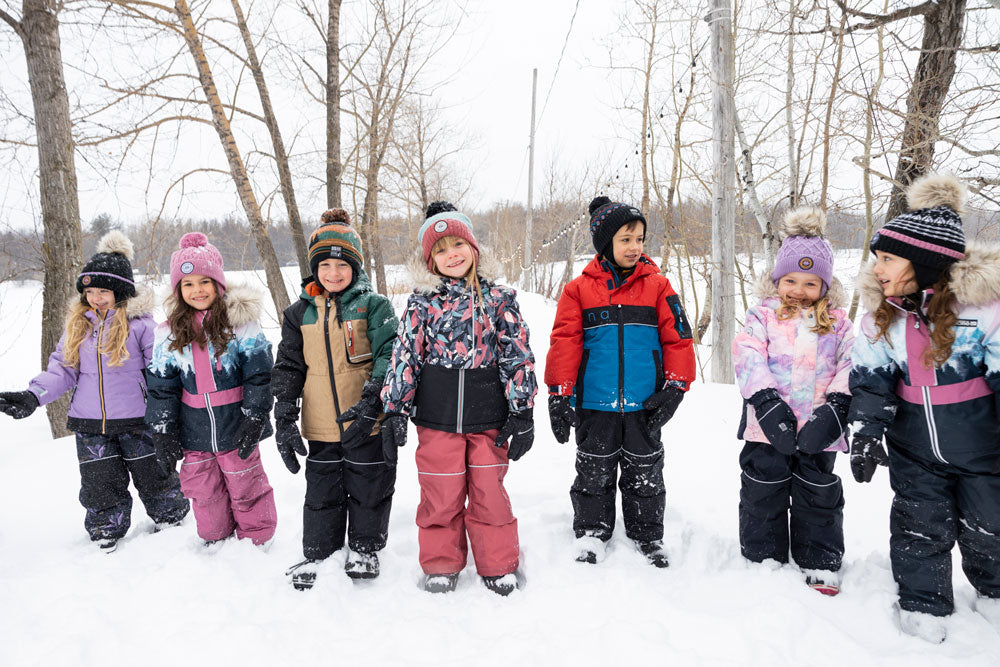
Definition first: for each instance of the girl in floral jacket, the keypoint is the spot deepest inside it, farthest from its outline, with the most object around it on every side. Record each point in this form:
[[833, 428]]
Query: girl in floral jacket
[[210, 396], [101, 357], [462, 370], [793, 360]]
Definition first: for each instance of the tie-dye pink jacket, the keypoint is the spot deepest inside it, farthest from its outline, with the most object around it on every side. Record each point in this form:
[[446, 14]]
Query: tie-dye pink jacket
[[785, 355]]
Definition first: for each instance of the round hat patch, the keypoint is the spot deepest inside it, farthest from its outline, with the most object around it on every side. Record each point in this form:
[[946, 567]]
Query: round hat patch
[[440, 226], [187, 267], [806, 263], [85, 280]]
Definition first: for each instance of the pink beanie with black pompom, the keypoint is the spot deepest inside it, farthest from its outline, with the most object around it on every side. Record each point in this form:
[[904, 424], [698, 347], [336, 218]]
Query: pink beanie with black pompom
[[197, 257]]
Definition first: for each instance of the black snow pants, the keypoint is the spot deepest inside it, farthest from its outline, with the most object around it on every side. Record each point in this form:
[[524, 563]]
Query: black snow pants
[[346, 491], [106, 461], [605, 441], [792, 501], [935, 505]]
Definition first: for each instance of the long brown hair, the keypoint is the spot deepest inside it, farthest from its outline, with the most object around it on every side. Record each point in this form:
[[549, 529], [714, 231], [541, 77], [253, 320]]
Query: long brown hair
[[215, 326], [942, 315], [78, 328], [824, 323]]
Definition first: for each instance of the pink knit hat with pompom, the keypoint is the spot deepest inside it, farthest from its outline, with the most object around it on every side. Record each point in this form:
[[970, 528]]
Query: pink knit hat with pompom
[[197, 257]]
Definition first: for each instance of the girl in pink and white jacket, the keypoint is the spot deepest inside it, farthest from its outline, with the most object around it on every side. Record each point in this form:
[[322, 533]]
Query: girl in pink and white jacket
[[793, 360]]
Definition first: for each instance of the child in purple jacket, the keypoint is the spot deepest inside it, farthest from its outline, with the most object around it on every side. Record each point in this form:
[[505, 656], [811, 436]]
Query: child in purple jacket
[[793, 359], [102, 355]]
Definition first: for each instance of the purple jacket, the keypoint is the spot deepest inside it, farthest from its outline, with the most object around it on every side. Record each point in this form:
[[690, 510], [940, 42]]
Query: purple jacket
[[107, 399]]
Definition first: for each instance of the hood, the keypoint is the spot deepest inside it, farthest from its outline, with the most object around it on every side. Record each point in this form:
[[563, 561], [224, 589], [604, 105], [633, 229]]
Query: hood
[[426, 282], [646, 265], [244, 304], [764, 288], [975, 279]]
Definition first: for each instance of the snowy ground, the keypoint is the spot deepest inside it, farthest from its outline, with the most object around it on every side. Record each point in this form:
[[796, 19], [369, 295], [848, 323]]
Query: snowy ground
[[159, 600]]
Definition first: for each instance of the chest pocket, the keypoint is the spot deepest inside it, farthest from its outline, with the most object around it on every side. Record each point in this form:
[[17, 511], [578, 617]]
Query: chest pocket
[[359, 348]]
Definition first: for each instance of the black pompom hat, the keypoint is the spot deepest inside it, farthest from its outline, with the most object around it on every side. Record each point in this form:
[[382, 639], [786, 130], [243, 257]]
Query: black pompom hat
[[110, 268], [607, 217]]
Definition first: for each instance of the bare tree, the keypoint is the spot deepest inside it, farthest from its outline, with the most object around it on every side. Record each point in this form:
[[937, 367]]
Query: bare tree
[[38, 29]]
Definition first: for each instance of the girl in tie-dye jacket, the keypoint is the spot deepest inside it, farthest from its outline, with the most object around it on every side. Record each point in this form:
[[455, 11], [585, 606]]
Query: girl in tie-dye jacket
[[792, 366]]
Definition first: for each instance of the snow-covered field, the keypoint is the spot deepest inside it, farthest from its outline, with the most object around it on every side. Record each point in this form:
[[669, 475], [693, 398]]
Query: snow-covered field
[[160, 600]]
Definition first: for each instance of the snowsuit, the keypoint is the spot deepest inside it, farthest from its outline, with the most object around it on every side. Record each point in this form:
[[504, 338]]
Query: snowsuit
[[330, 346], [614, 343], [106, 412], [795, 500], [943, 434], [458, 374], [203, 398]]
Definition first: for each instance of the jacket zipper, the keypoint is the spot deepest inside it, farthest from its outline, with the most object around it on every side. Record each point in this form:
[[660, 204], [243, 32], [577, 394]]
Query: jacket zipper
[[461, 398], [329, 364], [621, 361], [929, 413], [100, 377], [211, 420]]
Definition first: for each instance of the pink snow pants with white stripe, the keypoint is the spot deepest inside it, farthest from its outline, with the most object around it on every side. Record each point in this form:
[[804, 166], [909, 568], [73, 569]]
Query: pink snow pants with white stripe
[[227, 494], [451, 468]]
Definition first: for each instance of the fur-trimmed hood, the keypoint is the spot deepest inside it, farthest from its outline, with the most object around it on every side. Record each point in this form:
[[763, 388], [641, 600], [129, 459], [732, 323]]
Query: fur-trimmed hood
[[975, 280], [764, 288], [243, 303], [426, 282]]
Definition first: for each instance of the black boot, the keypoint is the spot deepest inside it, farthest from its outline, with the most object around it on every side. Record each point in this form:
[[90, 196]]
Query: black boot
[[654, 553], [502, 585], [303, 574], [440, 583], [362, 565]]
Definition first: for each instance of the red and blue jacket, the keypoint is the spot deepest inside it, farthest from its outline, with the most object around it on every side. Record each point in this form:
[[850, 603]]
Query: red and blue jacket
[[617, 341]]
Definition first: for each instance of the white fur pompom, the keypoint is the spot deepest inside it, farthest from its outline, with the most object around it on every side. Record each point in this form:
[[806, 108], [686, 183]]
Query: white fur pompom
[[116, 242], [805, 221], [936, 190]]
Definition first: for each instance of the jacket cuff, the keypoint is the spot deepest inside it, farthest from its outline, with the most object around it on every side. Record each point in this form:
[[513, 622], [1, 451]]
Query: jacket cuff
[[677, 384], [564, 389]]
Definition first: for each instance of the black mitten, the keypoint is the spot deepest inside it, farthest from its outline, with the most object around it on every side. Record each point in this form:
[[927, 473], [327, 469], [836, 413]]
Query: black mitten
[[18, 404], [289, 441], [248, 434], [562, 417], [364, 413], [826, 424], [393, 435], [776, 419], [168, 451], [520, 429], [867, 453], [660, 408]]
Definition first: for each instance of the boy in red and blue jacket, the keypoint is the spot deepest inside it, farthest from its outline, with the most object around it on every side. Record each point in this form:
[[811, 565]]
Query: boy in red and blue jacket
[[619, 362]]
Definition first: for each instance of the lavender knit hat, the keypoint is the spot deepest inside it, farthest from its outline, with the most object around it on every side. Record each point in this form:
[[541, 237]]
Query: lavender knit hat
[[199, 257], [804, 248]]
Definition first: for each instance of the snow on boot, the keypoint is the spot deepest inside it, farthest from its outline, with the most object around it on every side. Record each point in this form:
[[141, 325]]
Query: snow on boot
[[361, 564], [107, 545], [303, 574], [168, 523], [440, 583], [590, 549], [928, 627], [502, 585], [826, 582], [654, 553], [989, 608]]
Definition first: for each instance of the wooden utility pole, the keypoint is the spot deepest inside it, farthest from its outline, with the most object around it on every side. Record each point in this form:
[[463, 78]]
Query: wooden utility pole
[[720, 18], [531, 176]]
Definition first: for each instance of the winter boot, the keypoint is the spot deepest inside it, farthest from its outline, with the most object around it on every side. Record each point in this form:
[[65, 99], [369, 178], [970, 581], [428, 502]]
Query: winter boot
[[107, 545], [590, 549], [928, 627], [989, 608], [654, 553], [440, 583], [361, 564], [502, 585], [167, 523], [826, 582], [303, 574]]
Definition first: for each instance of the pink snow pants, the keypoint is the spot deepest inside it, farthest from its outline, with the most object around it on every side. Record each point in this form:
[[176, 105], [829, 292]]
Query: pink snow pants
[[227, 494], [452, 467]]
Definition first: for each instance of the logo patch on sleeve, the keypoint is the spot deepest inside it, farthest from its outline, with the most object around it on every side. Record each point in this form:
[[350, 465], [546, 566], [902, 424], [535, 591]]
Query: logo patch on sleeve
[[966, 323], [680, 317]]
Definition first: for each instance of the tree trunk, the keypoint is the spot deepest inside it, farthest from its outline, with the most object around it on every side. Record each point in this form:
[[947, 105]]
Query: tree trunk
[[334, 168], [61, 251], [275, 282], [931, 80], [280, 154]]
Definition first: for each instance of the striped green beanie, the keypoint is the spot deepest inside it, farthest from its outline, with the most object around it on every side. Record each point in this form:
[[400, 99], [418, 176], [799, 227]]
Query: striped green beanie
[[336, 239]]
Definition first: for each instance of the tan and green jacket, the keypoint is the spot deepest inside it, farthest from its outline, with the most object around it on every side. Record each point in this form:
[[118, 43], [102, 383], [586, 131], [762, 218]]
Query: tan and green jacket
[[330, 346]]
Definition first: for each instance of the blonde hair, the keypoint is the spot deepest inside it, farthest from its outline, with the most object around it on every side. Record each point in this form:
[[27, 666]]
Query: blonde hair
[[79, 327], [472, 276], [824, 323]]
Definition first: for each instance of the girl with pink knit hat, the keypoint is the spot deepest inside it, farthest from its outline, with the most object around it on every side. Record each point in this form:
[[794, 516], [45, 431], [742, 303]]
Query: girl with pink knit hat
[[209, 383], [793, 360]]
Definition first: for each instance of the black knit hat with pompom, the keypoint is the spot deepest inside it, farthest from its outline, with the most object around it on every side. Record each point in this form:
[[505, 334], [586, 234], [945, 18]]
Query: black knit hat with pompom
[[110, 268], [607, 217]]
